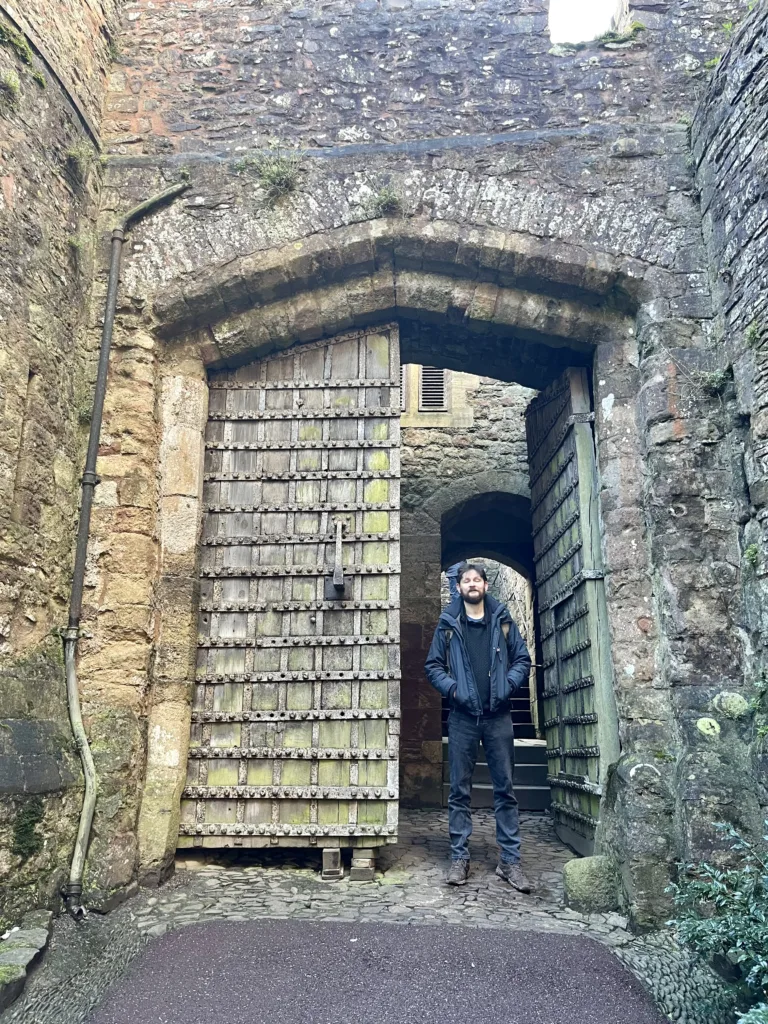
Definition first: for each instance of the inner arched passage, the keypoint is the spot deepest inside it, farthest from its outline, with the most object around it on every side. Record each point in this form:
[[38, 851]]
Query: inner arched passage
[[474, 514], [494, 524]]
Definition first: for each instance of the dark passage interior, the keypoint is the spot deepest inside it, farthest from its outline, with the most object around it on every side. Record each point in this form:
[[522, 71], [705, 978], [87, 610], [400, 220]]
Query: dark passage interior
[[472, 503]]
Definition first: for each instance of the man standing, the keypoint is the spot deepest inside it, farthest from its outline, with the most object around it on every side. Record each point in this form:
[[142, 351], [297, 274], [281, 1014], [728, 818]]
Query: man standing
[[478, 660]]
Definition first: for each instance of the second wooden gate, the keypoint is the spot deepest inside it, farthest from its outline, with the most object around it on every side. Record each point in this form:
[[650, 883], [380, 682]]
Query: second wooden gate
[[580, 717], [295, 724]]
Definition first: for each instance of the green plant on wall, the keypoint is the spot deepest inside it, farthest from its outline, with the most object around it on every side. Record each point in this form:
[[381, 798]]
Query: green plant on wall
[[712, 383], [723, 915], [15, 41], [387, 202], [752, 557], [629, 35], [10, 87], [758, 706], [78, 160], [278, 171], [752, 334], [26, 841]]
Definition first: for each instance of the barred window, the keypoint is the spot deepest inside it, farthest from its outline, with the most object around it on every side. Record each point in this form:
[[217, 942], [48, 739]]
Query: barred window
[[432, 391], [580, 21]]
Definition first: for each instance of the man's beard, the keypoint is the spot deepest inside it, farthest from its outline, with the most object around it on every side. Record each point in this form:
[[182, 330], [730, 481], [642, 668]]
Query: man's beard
[[474, 598]]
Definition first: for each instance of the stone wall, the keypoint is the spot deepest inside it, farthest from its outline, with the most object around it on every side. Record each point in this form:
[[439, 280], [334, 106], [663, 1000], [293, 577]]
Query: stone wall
[[729, 133], [50, 179], [433, 456], [227, 78], [548, 216]]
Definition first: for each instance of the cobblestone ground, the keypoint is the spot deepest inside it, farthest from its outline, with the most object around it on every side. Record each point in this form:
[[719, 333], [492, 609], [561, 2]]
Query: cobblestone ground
[[84, 960]]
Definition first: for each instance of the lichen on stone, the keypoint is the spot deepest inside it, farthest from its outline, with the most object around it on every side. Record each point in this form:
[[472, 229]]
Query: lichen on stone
[[732, 705], [708, 727]]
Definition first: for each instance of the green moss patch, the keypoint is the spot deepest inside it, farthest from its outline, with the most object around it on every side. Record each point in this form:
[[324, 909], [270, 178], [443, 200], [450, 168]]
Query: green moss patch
[[26, 839]]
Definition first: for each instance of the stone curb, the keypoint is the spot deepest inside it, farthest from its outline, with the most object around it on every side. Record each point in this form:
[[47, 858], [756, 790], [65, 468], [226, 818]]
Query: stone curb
[[19, 951]]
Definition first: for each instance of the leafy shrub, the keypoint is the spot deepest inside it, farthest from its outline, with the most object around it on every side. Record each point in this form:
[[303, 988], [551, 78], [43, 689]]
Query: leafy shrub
[[712, 382], [723, 914], [757, 1015]]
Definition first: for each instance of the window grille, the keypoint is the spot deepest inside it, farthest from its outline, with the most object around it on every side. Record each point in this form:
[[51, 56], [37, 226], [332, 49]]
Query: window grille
[[402, 388], [432, 390]]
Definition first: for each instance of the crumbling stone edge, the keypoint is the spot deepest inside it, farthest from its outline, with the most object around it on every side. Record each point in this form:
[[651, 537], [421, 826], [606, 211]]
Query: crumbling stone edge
[[19, 950]]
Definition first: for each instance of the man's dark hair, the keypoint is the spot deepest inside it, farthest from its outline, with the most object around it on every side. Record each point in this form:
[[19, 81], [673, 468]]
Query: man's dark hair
[[466, 567]]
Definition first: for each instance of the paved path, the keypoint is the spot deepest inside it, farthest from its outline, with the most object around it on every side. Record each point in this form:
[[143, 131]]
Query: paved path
[[290, 972], [272, 893]]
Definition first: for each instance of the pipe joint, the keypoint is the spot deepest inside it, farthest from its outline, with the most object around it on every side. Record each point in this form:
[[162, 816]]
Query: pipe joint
[[72, 894], [90, 478]]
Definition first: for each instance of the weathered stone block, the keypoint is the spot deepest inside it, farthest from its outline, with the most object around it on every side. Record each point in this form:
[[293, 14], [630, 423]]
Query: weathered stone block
[[591, 885]]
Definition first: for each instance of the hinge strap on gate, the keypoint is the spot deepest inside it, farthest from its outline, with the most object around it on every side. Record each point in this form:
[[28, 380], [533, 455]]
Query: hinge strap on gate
[[338, 567]]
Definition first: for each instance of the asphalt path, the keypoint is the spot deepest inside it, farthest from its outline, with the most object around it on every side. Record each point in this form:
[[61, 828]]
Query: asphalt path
[[293, 972]]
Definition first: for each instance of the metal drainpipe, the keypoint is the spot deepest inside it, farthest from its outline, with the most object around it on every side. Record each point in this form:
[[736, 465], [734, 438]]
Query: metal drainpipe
[[73, 890]]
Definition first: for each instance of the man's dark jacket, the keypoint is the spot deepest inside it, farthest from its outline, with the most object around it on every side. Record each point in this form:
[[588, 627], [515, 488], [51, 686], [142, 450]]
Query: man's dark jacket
[[448, 665]]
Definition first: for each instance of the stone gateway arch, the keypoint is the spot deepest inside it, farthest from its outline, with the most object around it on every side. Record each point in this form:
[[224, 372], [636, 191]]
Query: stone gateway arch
[[461, 194]]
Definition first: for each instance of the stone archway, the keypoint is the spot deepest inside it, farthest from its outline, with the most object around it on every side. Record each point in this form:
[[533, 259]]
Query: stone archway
[[476, 299]]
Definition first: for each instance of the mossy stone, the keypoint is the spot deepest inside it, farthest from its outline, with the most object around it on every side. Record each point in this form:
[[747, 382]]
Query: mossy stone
[[591, 885]]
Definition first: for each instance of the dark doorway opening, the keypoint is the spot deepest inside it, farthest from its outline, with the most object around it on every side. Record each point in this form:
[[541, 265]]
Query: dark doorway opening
[[470, 503]]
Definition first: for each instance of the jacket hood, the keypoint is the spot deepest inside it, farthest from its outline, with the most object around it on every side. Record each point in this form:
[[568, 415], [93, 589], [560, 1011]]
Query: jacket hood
[[452, 613]]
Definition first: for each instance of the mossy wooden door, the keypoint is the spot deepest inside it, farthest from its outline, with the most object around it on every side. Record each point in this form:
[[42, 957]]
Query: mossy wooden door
[[295, 725], [580, 722]]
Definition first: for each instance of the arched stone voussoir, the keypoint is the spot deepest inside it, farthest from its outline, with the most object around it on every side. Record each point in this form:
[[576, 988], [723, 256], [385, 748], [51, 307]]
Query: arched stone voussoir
[[532, 336], [462, 489], [511, 260]]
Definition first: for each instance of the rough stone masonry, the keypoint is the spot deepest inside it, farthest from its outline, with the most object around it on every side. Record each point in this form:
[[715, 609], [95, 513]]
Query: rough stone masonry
[[597, 206]]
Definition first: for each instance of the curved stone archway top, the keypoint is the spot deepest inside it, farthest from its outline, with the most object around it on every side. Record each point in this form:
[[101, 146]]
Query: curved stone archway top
[[500, 304], [458, 492], [453, 555]]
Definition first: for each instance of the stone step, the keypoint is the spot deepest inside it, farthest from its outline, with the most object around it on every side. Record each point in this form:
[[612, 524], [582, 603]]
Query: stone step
[[527, 751], [525, 775], [529, 798]]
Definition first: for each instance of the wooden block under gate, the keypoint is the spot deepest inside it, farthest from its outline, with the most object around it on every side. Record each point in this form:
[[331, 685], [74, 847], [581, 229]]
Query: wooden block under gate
[[333, 869]]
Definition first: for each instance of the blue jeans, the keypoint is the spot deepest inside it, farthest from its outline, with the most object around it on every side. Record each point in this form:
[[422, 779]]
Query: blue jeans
[[465, 733]]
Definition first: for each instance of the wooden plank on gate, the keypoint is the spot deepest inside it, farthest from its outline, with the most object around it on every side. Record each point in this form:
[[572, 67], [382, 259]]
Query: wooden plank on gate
[[295, 725], [580, 719]]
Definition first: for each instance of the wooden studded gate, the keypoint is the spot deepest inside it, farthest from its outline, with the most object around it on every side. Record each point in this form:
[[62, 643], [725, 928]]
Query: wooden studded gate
[[580, 722], [295, 724]]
